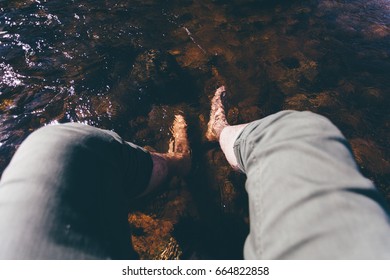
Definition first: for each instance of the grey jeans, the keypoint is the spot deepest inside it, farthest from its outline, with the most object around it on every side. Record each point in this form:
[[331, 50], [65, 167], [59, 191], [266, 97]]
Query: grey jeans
[[63, 196], [307, 198]]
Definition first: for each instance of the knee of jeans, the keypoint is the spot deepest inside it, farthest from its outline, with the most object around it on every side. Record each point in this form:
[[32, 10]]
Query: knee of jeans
[[311, 123], [65, 135]]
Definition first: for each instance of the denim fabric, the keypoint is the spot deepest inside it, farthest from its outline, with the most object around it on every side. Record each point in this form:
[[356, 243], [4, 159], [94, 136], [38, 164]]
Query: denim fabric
[[65, 195], [307, 198]]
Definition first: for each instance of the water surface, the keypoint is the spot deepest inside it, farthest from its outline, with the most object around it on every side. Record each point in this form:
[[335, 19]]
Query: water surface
[[130, 65]]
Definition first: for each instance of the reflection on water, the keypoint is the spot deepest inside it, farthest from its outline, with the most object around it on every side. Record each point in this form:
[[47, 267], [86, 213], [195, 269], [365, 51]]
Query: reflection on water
[[129, 65]]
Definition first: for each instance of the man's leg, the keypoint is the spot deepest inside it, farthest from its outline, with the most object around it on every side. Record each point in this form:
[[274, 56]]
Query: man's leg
[[307, 198], [65, 193]]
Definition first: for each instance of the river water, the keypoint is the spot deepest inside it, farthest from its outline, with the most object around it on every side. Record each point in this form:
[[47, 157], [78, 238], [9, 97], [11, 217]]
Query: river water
[[130, 65]]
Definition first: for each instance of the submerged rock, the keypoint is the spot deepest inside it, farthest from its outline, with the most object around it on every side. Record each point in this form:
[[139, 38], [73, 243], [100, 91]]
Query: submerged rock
[[155, 78], [369, 156], [157, 75]]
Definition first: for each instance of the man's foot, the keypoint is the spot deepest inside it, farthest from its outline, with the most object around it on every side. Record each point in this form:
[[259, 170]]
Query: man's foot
[[179, 152], [179, 142], [176, 162], [219, 130], [217, 116]]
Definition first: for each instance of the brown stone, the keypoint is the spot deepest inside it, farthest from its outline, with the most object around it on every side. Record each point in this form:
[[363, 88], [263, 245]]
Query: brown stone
[[370, 156]]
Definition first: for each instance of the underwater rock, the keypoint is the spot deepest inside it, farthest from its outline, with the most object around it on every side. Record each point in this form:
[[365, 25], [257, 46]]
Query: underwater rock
[[193, 57], [155, 78], [330, 68], [232, 116], [152, 65], [224, 187], [368, 155], [371, 95], [249, 114], [290, 62], [223, 208], [297, 102], [154, 220], [5, 104], [156, 74], [150, 234], [326, 101]]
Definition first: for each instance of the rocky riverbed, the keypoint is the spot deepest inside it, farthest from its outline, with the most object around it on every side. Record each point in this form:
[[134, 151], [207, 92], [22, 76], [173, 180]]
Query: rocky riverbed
[[130, 65]]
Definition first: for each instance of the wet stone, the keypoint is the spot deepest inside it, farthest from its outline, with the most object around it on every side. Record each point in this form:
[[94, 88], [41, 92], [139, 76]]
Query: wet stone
[[325, 101], [232, 116], [297, 102], [154, 219], [371, 95], [112, 64], [249, 114], [157, 74], [369, 155], [5, 104], [351, 121], [290, 62]]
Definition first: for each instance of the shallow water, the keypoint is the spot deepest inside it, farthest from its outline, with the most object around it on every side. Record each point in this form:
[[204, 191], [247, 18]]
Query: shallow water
[[129, 65]]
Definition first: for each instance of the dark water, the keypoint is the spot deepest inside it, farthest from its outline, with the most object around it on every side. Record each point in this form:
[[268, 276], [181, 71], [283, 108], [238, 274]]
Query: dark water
[[129, 65]]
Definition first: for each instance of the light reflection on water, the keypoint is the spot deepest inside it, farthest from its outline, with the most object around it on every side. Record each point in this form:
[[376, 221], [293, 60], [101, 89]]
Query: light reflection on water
[[129, 65], [9, 77]]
